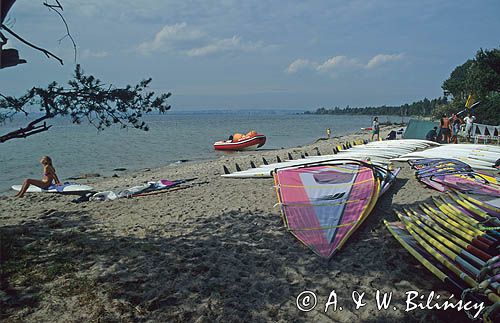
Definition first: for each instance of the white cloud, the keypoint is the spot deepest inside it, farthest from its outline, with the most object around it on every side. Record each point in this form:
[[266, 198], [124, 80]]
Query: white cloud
[[169, 37], [339, 63], [336, 62], [380, 59], [331, 65], [190, 41], [87, 53], [221, 45], [297, 65]]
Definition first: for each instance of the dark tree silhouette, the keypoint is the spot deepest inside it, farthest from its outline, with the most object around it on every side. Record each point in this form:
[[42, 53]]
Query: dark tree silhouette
[[10, 57], [479, 77], [86, 98]]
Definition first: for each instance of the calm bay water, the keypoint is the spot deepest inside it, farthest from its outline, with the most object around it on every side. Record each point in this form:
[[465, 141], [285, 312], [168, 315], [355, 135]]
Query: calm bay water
[[77, 149]]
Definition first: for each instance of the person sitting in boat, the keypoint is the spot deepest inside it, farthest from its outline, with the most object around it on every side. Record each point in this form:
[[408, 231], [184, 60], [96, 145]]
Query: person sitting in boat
[[49, 177], [432, 134]]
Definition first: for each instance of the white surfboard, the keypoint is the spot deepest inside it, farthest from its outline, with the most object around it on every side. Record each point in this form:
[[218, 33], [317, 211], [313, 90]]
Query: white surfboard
[[263, 172], [378, 152], [64, 188]]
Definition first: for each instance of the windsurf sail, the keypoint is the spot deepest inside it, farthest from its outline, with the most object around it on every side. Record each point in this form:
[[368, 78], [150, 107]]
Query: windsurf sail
[[467, 183], [457, 238], [322, 205], [450, 174]]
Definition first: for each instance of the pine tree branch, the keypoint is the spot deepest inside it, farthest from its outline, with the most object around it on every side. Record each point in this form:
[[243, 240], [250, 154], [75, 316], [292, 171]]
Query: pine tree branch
[[68, 34], [31, 129]]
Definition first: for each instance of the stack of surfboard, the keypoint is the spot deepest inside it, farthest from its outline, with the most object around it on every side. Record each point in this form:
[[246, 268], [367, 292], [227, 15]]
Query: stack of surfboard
[[378, 152], [457, 238], [324, 203], [445, 174], [477, 156]]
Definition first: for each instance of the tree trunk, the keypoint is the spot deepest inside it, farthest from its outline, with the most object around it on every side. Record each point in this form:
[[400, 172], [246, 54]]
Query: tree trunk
[[4, 8]]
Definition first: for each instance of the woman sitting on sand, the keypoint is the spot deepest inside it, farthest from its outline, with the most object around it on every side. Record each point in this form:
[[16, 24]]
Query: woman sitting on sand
[[49, 177]]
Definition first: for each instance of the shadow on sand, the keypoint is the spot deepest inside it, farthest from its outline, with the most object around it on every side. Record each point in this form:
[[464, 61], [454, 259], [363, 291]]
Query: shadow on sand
[[233, 267]]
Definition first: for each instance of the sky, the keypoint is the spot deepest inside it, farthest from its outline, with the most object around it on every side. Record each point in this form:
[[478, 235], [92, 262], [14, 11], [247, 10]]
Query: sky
[[234, 54]]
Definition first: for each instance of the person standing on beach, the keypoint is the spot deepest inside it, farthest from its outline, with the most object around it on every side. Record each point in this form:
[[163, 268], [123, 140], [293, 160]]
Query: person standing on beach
[[49, 177], [455, 128], [445, 129], [328, 132], [469, 122], [375, 129]]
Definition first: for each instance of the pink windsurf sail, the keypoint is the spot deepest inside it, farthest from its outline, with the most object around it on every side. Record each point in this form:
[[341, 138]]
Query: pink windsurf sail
[[322, 205], [467, 184]]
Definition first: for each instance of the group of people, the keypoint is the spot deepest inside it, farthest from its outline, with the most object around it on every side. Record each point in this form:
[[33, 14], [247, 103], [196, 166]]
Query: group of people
[[449, 127]]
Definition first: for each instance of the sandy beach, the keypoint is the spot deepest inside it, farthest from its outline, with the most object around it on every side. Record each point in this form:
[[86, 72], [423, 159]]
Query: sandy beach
[[215, 251]]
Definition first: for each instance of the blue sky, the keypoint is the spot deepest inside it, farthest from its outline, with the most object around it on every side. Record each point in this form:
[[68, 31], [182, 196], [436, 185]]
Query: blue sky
[[258, 54]]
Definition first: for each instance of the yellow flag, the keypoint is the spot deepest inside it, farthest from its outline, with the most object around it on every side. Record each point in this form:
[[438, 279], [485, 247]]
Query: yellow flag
[[470, 101]]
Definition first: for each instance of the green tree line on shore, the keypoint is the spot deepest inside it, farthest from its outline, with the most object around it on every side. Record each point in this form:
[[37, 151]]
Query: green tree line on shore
[[420, 108], [478, 77]]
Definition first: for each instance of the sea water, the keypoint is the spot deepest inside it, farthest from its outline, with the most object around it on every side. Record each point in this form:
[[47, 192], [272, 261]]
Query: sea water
[[174, 136]]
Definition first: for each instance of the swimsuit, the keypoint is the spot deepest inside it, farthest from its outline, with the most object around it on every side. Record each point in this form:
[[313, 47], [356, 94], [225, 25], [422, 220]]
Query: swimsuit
[[445, 127]]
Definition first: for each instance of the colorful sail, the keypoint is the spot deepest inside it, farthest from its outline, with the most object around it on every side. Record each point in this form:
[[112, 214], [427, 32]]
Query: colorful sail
[[445, 174], [456, 237], [323, 205], [467, 183]]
